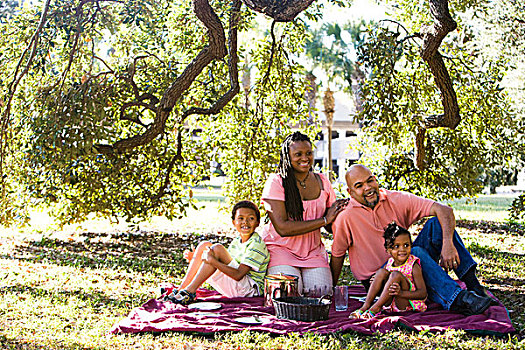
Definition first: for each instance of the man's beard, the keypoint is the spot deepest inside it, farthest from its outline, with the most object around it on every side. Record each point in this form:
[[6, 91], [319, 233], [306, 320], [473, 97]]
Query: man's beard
[[373, 203]]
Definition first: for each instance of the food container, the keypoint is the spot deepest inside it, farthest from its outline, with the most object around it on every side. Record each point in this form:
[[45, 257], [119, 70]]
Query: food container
[[302, 309], [280, 285]]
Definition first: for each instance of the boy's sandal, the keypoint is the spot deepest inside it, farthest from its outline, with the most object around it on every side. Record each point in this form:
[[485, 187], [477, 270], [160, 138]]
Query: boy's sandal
[[356, 314], [182, 297]]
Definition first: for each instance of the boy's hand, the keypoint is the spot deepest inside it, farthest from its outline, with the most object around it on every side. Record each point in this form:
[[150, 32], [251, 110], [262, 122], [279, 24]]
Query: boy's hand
[[188, 254], [208, 255], [394, 289]]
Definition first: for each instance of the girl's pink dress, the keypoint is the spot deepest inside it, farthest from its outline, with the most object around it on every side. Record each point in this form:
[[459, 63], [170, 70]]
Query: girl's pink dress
[[305, 250], [406, 270]]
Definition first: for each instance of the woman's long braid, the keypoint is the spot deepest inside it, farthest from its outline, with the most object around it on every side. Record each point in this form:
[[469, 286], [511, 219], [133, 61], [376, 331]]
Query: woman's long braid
[[292, 198]]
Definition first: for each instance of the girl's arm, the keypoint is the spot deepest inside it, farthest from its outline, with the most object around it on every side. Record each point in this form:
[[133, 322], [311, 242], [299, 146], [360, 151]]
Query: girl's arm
[[285, 227], [421, 289]]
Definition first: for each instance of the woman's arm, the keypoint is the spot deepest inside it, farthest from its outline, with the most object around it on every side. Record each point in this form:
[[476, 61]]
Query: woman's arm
[[285, 227]]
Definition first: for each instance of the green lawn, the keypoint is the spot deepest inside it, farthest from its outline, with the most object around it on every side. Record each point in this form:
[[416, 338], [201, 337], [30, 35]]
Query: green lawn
[[64, 289]]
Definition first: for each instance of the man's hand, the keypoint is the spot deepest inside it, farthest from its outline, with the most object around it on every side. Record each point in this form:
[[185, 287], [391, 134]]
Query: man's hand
[[449, 256]]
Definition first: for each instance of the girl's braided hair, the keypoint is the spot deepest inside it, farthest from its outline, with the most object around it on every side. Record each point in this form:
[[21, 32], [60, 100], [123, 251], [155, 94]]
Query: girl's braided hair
[[392, 231], [292, 198]]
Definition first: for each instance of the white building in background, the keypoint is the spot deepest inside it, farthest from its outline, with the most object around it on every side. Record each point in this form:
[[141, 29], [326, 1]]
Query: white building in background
[[343, 130]]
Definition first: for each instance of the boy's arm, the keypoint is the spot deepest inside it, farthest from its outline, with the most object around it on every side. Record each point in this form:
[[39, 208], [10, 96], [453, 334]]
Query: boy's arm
[[236, 274]]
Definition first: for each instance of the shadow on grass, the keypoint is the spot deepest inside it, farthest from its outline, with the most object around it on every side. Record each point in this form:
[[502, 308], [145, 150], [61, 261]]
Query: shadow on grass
[[17, 344], [512, 228], [133, 252], [98, 300]]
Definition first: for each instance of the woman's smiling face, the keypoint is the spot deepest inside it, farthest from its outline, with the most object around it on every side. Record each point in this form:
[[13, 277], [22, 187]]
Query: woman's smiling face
[[301, 156]]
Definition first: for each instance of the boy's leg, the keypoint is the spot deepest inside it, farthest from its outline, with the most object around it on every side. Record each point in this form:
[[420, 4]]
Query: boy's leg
[[206, 270], [195, 264]]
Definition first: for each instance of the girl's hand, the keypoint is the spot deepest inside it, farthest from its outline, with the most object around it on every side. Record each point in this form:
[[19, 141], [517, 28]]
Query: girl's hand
[[394, 289], [334, 210]]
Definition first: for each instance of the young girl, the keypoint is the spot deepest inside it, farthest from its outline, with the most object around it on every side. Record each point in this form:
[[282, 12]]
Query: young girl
[[401, 278], [236, 272]]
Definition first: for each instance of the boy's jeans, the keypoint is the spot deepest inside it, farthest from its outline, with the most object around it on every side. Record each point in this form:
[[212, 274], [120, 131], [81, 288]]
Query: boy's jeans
[[427, 247]]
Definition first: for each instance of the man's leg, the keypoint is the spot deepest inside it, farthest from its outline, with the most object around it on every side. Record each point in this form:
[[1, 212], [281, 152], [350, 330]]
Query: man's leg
[[440, 287], [431, 239]]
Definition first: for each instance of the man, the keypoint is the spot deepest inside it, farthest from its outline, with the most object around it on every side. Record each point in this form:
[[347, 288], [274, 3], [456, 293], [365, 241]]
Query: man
[[359, 230]]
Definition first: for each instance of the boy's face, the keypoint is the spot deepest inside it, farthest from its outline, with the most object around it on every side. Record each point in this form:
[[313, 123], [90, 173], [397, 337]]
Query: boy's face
[[245, 221]]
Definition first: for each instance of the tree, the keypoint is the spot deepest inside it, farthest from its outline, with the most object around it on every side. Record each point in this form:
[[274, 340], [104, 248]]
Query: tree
[[441, 155], [106, 98], [118, 107]]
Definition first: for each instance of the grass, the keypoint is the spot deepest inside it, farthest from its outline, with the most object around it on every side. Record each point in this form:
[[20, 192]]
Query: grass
[[64, 289]]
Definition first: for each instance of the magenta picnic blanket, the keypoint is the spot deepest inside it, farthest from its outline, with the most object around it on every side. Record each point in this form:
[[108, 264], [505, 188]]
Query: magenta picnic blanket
[[160, 316]]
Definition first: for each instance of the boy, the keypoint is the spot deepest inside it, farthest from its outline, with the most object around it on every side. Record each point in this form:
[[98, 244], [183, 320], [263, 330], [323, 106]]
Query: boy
[[236, 272]]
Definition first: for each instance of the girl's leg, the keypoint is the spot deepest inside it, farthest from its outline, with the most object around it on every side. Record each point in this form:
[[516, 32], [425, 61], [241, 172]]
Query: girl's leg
[[206, 270], [195, 264], [381, 276], [386, 298]]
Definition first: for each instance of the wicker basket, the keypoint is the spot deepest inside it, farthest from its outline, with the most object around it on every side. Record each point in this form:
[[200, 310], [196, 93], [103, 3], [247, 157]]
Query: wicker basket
[[302, 309]]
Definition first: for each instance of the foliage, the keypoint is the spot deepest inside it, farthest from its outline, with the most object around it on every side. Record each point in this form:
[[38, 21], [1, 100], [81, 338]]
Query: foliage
[[399, 93], [89, 65], [338, 58]]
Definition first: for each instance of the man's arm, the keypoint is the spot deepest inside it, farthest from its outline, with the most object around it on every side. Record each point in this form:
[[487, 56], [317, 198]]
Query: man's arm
[[447, 220], [336, 265]]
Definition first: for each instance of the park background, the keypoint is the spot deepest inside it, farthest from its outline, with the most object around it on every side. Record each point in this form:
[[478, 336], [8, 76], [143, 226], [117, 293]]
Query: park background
[[93, 222]]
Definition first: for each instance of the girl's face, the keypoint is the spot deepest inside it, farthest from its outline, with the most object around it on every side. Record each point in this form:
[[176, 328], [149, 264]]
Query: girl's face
[[301, 156], [400, 250], [245, 222]]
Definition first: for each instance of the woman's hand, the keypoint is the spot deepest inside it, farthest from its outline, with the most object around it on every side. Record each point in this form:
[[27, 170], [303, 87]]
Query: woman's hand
[[334, 210]]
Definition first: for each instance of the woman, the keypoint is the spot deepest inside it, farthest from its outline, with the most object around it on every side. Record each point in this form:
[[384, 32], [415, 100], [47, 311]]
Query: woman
[[299, 202]]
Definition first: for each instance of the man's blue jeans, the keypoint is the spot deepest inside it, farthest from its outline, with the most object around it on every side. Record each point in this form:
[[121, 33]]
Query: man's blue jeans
[[427, 247]]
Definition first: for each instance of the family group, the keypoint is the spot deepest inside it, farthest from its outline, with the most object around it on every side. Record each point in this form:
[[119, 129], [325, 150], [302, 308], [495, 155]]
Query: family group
[[371, 227]]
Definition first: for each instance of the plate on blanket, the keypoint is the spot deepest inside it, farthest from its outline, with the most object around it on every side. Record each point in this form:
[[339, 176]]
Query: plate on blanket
[[202, 314], [250, 320], [206, 305]]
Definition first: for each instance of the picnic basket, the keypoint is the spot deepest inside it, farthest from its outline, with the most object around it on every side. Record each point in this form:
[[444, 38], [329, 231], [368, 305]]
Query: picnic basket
[[302, 309]]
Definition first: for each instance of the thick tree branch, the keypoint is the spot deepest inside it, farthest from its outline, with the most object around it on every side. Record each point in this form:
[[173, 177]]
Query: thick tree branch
[[279, 10], [216, 49], [432, 38]]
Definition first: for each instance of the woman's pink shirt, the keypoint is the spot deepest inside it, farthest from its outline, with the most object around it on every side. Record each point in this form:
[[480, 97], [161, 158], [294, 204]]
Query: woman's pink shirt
[[306, 250]]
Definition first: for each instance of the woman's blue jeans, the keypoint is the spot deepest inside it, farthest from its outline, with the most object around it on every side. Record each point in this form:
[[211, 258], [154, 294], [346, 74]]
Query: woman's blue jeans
[[441, 288]]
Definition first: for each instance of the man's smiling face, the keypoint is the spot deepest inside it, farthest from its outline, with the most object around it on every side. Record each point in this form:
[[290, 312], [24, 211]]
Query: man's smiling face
[[362, 185]]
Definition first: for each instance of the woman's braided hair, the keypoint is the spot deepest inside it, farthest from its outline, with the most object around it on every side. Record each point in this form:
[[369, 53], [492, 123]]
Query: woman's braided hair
[[392, 231], [292, 198]]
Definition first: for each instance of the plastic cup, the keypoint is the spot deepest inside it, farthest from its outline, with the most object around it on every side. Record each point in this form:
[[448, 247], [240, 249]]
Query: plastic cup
[[341, 298]]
